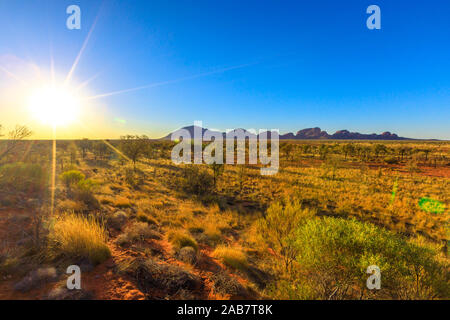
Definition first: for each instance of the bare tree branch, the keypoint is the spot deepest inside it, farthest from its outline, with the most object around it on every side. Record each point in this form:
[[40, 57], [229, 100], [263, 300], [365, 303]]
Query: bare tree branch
[[14, 137]]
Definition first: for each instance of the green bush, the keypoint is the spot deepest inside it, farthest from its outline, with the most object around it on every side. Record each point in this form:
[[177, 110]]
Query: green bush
[[71, 178], [337, 252], [86, 185]]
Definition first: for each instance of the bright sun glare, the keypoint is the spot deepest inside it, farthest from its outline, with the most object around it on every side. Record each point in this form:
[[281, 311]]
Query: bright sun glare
[[56, 106]]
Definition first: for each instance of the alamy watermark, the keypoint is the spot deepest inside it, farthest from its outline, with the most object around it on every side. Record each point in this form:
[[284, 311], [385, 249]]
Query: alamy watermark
[[374, 280], [74, 20], [374, 20], [74, 280], [235, 147]]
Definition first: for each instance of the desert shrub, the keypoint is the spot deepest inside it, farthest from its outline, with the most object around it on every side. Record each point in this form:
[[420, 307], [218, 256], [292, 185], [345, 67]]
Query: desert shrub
[[36, 278], [187, 255], [134, 178], [70, 205], [206, 230], [197, 181], [87, 198], [106, 200], [143, 217], [291, 290], [150, 274], [74, 236], [122, 202], [412, 166], [336, 253], [232, 257], [117, 220], [217, 169], [71, 178], [279, 228], [390, 160], [9, 265], [23, 177], [226, 285], [196, 229], [61, 292], [138, 231], [181, 239], [86, 185]]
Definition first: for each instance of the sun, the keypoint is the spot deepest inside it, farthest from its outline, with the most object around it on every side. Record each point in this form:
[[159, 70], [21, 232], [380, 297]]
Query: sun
[[55, 106]]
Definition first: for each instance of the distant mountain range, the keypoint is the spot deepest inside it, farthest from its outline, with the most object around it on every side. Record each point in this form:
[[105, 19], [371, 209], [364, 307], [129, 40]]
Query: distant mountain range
[[311, 134]]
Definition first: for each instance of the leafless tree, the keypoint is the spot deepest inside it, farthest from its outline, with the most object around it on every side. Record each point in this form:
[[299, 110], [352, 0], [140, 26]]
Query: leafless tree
[[13, 142]]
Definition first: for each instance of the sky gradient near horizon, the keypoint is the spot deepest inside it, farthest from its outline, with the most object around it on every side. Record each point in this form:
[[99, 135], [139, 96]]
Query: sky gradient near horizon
[[284, 65]]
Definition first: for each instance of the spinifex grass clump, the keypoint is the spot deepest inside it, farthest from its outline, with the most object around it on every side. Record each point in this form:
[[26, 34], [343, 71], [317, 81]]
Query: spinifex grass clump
[[181, 239], [74, 236], [233, 257]]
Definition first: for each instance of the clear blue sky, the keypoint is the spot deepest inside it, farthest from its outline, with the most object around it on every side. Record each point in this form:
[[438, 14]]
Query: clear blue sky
[[298, 63]]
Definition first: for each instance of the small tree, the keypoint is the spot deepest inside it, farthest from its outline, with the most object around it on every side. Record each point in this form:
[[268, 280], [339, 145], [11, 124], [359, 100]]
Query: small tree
[[14, 137], [85, 144], [306, 149], [134, 147], [197, 181], [323, 151], [403, 151], [217, 171], [379, 149], [73, 153], [426, 152], [279, 226], [348, 149], [287, 149], [100, 150], [242, 175]]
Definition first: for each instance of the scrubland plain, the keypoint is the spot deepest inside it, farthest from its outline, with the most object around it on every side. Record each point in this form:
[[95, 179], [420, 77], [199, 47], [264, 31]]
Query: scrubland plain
[[141, 227]]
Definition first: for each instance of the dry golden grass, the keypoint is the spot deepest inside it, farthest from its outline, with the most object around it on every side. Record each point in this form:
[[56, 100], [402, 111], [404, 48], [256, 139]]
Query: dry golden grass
[[180, 239], [232, 257], [121, 202], [76, 236]]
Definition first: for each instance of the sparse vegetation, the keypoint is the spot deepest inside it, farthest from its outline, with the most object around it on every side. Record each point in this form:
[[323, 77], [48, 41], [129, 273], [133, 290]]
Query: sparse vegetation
[[273, 237]]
